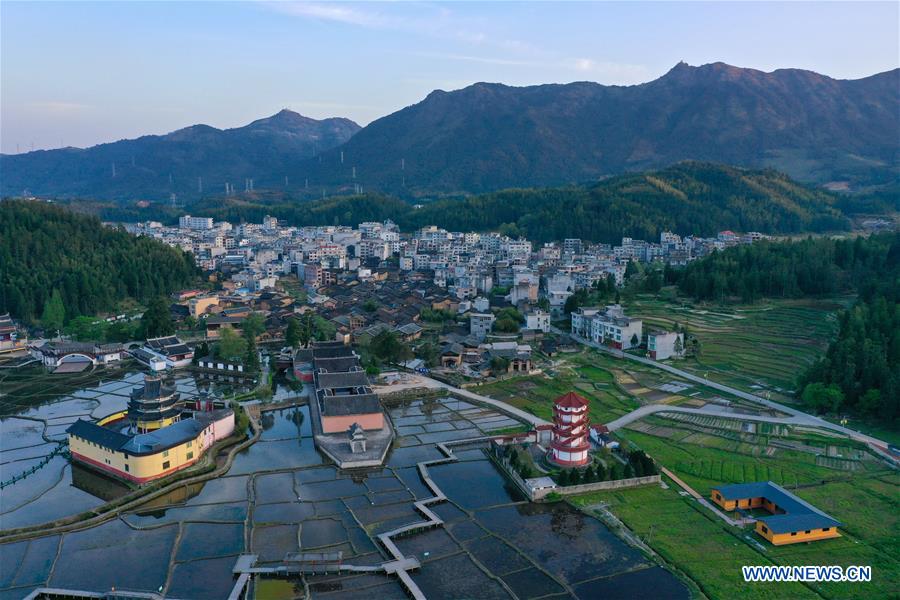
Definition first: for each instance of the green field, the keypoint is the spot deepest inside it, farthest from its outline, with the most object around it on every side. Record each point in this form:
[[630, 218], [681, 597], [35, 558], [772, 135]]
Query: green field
[[752, 346], [696, 543], [865, 500], [536, 393], [709, 460], [688, 536]]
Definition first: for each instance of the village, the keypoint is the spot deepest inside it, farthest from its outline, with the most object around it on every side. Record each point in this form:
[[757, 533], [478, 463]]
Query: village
[[374, 332]]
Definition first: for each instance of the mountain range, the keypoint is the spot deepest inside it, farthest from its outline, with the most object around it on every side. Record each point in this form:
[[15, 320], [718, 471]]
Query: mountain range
[[189, 162], [488, 136]]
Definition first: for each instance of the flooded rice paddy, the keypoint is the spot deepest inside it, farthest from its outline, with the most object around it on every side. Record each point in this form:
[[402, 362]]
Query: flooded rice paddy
[[280, 496]]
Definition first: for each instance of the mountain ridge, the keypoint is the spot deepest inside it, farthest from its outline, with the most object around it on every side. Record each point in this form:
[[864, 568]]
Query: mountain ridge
[[489, 136]]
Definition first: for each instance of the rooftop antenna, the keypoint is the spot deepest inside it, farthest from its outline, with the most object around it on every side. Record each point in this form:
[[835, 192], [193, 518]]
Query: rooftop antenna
[[342, 154], [251, 185], [285, 181], [354, 172], [170, 179], [402, 164], [306, 183]]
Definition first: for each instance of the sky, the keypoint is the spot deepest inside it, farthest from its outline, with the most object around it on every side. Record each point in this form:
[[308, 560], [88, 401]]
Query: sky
[[82, 73]]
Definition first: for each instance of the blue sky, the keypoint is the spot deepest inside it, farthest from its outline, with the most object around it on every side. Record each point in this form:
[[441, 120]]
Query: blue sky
[[76, 73]]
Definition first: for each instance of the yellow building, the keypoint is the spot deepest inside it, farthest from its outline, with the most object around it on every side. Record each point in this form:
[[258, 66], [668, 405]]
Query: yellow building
[[793, 519], [199, 306], [147, 456]]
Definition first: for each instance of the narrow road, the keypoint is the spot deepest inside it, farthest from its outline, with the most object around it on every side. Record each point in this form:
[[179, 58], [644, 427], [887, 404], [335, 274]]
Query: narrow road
[[706, 411], [800, 417]]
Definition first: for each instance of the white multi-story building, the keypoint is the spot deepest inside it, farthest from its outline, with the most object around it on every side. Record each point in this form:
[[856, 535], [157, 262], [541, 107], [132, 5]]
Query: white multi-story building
[[480, 324], [189, 222], [538, 321], [665, 344], [608, 326]]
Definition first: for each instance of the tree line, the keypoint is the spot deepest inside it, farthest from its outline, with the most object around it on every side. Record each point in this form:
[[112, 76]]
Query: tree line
[[61, 265], [771, 269], [860, 372], [687, 198]]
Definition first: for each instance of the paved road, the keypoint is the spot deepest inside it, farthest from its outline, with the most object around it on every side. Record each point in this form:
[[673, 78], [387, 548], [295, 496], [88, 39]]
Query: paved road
[[801, 418], [706, 411]]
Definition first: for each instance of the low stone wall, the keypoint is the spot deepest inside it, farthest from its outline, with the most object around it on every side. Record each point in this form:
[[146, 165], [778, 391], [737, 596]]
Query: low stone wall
[[582, 488]]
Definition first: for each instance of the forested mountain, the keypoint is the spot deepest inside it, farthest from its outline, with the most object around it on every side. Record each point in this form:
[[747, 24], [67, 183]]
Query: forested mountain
[[689, 198], [189, 162], [491, 136], [53, 258]]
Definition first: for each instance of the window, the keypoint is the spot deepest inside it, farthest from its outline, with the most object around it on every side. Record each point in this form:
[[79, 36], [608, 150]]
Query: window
[[165, 453], [126, 468], [826, 529], [165, 465], [718, 496], [765, 529], [190, 443], [808, 531], [793, 533], [190, 455]]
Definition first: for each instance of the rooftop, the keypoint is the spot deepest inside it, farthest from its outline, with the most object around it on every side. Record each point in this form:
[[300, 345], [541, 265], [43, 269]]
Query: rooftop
[[799, 514]]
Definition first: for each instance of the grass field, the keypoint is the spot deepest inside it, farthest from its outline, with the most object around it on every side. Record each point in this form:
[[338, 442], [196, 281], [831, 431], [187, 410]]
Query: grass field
[[760, 345], [536, 393], [865, 500], [693, 541]]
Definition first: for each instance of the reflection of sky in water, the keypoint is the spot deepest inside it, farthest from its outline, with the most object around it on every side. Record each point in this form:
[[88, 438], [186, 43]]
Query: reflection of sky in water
[[202, 528]]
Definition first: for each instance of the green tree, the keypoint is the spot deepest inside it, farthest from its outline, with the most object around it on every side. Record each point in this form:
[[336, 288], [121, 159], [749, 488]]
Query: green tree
[[230, 346], [253, 325], [499, 365], [506, 325], [388, 347], [54, 315], [823, 398], [292, 333], [428, 352], [251, 361], [85, 329], [157, 320]]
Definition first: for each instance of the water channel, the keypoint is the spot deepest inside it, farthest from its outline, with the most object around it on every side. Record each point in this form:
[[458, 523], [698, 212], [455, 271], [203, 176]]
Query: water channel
[[281, 496]]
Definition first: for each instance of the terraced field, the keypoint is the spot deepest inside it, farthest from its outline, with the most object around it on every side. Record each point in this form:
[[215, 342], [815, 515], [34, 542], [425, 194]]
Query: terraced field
[[536, 393], [751, 347]]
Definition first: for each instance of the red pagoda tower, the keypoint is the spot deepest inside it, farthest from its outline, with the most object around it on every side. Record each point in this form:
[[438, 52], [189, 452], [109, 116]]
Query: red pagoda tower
[[570, 444]]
